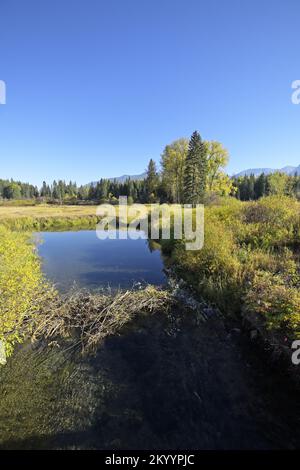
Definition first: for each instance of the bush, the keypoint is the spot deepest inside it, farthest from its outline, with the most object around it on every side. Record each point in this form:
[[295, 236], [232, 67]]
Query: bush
[[272, 221], [276, 301], [22, 286], [215, 270]]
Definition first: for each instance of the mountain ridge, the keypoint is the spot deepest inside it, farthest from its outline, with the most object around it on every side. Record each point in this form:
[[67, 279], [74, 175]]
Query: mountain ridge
[[288, 170], [123, 178]]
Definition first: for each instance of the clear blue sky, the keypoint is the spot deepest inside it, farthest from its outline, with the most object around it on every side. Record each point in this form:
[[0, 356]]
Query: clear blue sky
[[95, 88]]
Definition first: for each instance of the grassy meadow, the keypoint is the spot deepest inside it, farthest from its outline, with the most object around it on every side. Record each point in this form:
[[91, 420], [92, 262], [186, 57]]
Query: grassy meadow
[[45, 210], [43, 217], [47, 217]]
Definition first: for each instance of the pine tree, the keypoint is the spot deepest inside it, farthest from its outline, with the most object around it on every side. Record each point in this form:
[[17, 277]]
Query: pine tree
[[55, 192], [151, 180], [195, 171], [251, 187], [260, 186]]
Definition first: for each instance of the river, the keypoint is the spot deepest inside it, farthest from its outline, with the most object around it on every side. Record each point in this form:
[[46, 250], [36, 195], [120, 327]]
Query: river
[[167, 382]]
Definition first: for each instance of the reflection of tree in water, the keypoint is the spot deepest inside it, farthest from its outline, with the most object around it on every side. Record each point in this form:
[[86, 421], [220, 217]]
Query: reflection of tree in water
[[153, 245]]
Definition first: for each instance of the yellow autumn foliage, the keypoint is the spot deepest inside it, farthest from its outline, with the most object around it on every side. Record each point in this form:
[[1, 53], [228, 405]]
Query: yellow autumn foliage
[[22, 286]]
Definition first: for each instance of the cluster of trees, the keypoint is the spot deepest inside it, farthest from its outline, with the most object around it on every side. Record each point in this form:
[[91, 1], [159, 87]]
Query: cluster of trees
[[10, 189], [105, 190], [250, 187], [189, 169], [59, 190]]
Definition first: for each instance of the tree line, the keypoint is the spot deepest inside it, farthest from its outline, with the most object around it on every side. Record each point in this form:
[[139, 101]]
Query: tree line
[[10, 189], [188, 170], [251, 188], [191, 171]]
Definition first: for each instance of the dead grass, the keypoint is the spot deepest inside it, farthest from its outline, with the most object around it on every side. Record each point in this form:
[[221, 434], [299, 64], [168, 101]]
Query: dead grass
[[87, 319], [46, 210]]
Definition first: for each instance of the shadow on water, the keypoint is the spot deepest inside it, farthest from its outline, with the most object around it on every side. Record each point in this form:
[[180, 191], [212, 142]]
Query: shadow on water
[[167, 382]]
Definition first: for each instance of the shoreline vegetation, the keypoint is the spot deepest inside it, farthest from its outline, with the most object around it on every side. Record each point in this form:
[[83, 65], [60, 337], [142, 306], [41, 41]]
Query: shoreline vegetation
[[248, 267]]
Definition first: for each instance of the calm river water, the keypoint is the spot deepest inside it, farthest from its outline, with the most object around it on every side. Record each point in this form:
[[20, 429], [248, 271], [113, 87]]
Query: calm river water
[[81, 258]]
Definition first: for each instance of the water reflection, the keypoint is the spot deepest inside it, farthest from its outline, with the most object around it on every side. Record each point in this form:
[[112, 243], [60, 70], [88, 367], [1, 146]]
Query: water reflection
[[83, 259]]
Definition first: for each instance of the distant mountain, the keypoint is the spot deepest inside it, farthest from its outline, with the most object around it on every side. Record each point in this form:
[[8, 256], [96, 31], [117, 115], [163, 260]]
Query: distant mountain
[[123, 178], [289, 170]]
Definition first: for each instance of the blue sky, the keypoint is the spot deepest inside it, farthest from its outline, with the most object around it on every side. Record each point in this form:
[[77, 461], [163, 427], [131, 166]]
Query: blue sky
[[97, 88]]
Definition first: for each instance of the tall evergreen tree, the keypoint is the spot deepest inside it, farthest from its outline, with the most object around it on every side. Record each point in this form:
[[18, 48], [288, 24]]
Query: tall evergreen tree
[[251, 183], [260, 186], [45, 191], [195, 171], [151, 180]]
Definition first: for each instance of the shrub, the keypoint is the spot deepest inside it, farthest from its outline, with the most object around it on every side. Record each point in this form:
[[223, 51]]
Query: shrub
[[22, 287], [215, 270], [276, 301], [272, 221]]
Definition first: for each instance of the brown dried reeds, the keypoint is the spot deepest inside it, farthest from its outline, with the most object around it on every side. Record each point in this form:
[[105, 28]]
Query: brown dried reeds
[[89, 318]]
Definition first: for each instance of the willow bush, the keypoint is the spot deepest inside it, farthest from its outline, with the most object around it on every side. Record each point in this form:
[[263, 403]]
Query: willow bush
[[22, 287], [276, 299]]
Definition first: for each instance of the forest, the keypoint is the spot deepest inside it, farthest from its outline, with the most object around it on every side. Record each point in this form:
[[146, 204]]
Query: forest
[[170, 184]]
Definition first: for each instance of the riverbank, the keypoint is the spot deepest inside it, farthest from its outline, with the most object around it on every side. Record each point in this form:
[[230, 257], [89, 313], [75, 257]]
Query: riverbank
[[249, 268], [167, 381]]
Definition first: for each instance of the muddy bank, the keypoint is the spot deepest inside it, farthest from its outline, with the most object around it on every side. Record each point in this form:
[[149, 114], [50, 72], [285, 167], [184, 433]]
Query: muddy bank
[[168, 381]]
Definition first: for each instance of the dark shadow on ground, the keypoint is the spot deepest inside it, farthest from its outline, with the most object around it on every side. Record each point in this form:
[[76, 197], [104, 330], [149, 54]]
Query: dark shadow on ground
[[165, 383]]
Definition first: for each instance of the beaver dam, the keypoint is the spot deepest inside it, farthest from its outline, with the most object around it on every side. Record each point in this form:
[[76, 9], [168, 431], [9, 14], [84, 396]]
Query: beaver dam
[[144, 368]]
